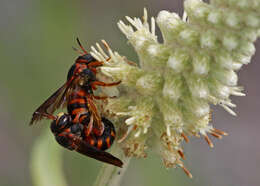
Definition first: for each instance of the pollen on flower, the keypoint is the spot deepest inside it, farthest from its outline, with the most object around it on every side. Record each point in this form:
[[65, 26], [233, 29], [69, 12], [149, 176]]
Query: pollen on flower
[[200, 64], [172, 119], [214, 17], [243, 58], [139, 42], [143, 32], [242, 4], [252, 20], [149, 84], [189, 36], [230, 42], [153, 50], [232, 19], [175, 63], [208, 40], [170, 24], [171, 20], [226, 61], [197, 87], [172, 87], [135, 147], [172, 153], [227, 77], [117, 66], [178, 60], [222, 91], [139, 117], [200, 108], [247, 48]]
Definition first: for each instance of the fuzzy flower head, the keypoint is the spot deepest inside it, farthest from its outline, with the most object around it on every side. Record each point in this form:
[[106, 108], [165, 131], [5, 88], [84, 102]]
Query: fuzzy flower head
[[167, 96]]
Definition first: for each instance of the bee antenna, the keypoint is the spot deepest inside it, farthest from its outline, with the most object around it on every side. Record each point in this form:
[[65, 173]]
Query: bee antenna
[[82, 48], [75, 49]]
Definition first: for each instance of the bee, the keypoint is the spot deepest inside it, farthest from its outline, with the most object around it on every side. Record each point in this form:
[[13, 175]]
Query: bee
[[77, 94], [73, 137]]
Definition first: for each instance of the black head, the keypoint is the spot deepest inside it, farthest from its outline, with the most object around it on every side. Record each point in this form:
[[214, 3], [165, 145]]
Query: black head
[[62, 122], [88, 76], [86, 58], [81, 63]]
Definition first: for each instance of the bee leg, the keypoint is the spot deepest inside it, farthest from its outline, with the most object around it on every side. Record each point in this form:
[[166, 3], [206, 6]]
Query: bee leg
[[98, 130], [96, 116], [100, 83], [103, 97], [93, 70], [100, 97], [88, 127], [95, 64]]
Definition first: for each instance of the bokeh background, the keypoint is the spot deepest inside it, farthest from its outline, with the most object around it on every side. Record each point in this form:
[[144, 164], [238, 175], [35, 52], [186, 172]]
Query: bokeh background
[[35, 48]]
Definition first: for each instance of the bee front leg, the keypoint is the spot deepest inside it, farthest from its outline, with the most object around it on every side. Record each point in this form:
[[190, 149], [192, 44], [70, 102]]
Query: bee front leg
[[103, 97], [100, 83]]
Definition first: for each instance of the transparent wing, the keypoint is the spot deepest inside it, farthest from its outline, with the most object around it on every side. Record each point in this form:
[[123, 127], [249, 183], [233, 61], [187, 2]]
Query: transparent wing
[[86, 149], [54, 102]]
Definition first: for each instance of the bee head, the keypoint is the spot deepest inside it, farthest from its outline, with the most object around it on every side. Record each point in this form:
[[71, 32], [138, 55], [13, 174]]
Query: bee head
[[87, 76], [86, 58], [62, 122]]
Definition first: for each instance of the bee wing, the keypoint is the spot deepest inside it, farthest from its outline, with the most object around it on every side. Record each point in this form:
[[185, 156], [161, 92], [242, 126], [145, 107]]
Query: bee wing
[[87, 150], [95, 113], [55, 101]]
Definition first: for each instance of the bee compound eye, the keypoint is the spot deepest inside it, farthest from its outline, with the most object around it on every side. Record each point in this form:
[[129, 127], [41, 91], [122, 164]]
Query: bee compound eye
[[64, 118], [61, 121]]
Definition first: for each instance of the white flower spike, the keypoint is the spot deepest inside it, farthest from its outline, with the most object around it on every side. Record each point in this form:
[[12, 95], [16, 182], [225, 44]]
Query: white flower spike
[[168, 96]]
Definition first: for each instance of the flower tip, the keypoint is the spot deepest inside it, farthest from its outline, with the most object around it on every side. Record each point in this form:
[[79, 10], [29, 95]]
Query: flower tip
[[186, 139], [145, 14], [216, 135], [129, 19], [225, 134], [180, 152], [220, 132], [187, 172], [211, 145], [164, 17]]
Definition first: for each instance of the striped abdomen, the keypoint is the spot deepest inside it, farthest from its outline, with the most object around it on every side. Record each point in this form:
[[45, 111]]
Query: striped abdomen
[[104, 141], [77, 107]]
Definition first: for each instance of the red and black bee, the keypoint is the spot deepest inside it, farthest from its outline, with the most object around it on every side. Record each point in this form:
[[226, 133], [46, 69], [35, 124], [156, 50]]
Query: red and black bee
[[72, 136], [77, 94]]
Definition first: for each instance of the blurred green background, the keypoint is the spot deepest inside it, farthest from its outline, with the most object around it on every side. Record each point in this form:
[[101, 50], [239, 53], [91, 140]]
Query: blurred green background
[[36, 39]]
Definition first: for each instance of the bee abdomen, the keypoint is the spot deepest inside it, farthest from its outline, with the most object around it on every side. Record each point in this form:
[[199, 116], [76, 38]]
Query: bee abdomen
[[74, 106], [105, 141], [77, 105]]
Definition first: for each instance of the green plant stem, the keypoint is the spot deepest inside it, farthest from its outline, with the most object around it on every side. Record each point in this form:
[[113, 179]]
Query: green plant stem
[[110, 175], [46, 162]]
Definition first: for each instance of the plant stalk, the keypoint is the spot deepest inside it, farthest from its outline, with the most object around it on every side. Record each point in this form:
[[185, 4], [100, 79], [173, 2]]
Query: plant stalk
[[110, 175], [46, 162]]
